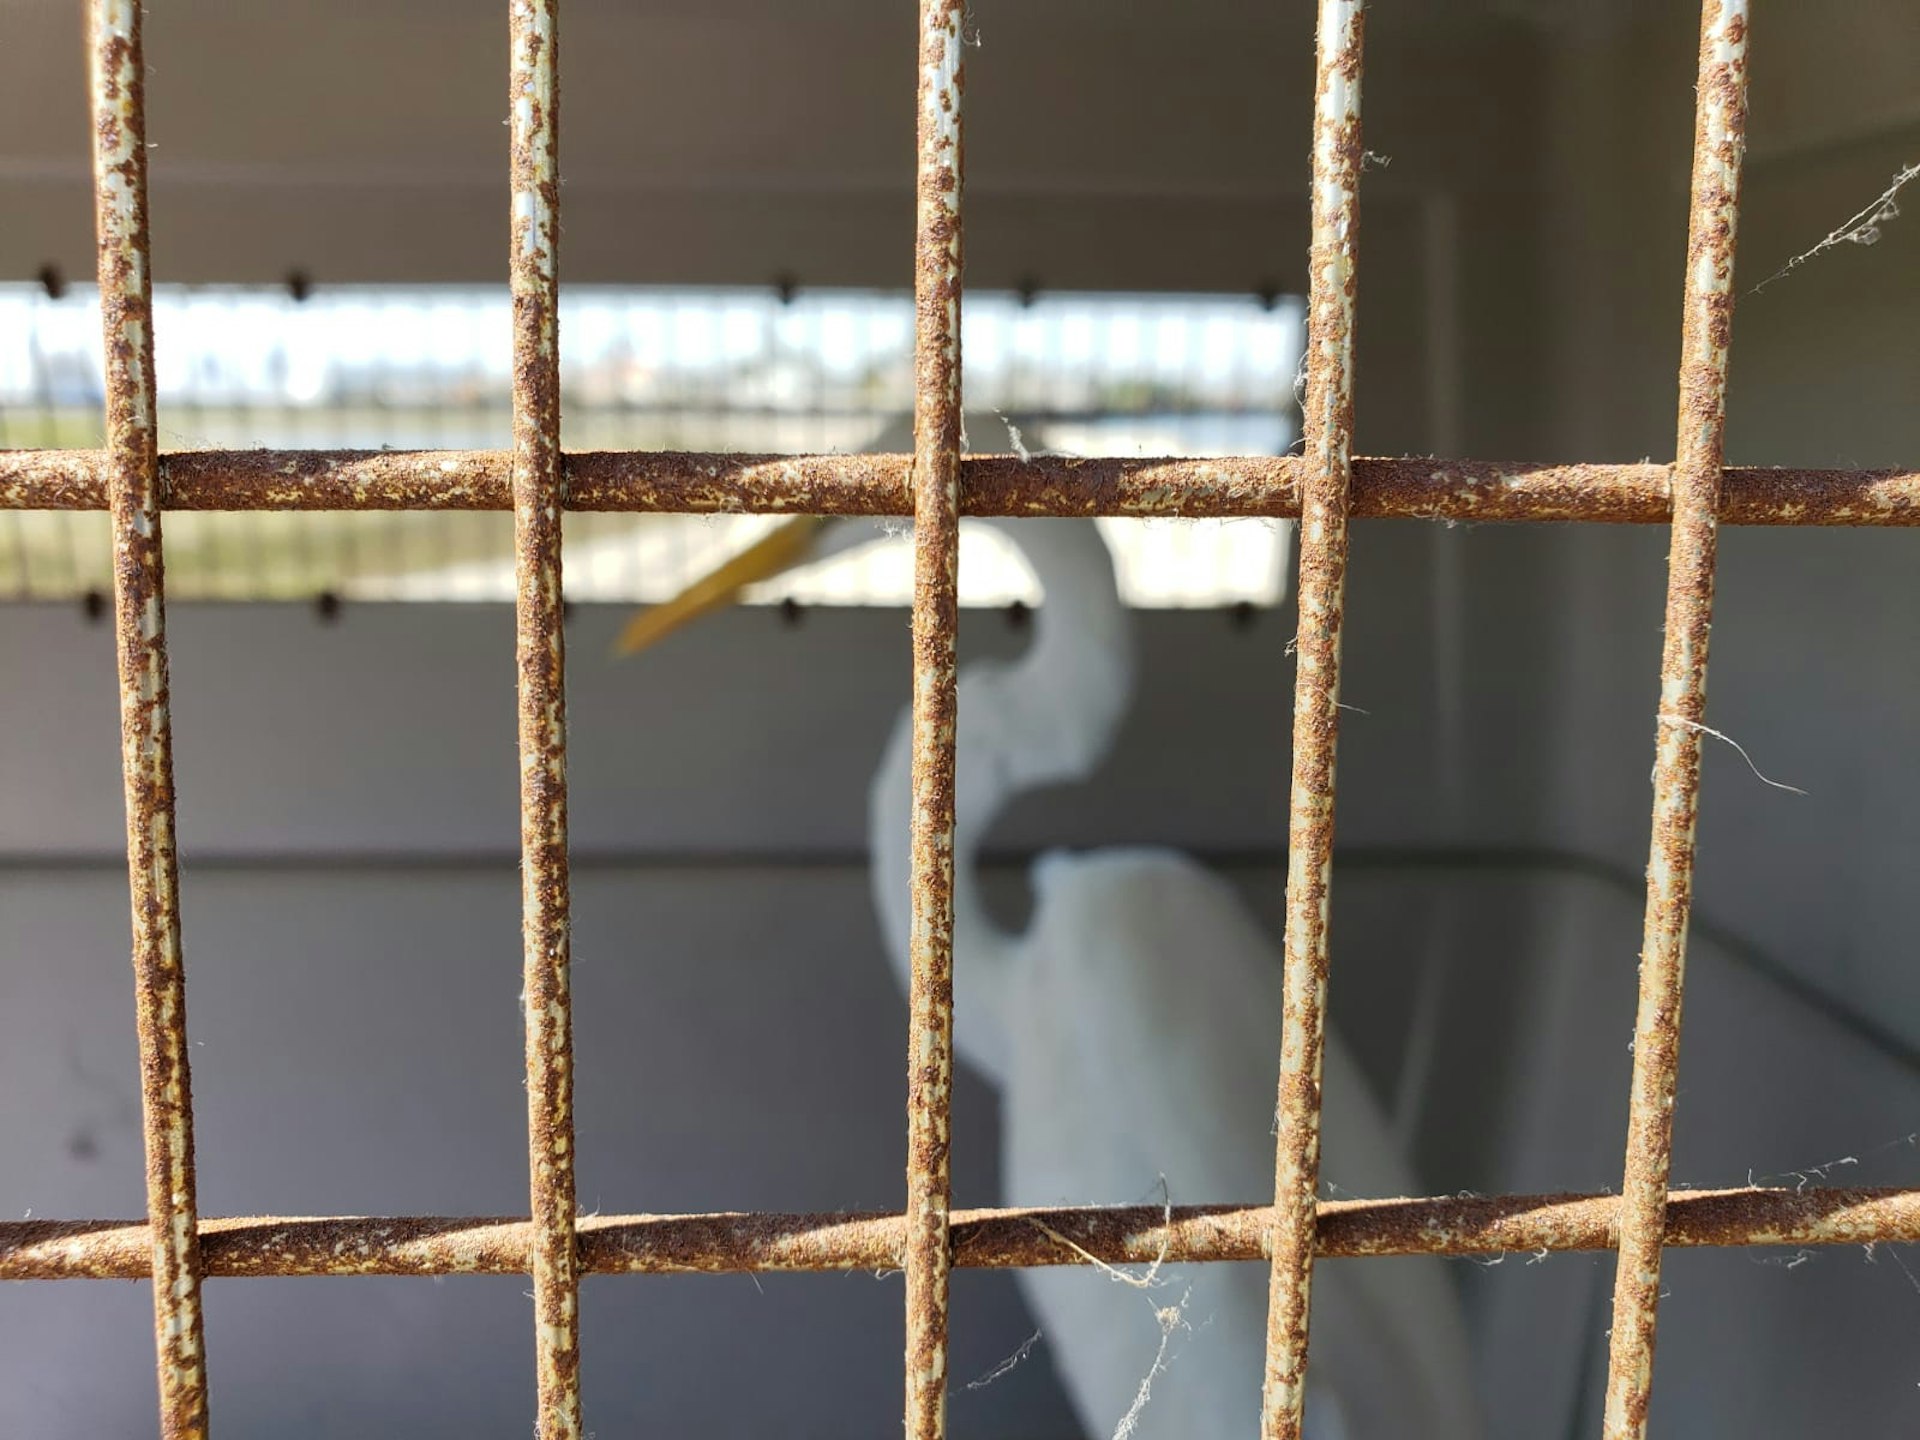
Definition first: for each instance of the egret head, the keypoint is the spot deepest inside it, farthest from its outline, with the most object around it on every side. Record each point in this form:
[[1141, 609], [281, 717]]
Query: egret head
[[1044, 718], [799, 541], [802, 540]]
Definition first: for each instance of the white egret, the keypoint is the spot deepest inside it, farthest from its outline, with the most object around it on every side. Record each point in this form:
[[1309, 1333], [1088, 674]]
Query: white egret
[[1133, 1031]]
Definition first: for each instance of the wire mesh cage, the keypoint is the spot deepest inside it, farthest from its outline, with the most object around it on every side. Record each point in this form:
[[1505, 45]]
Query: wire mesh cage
[[134, 483]]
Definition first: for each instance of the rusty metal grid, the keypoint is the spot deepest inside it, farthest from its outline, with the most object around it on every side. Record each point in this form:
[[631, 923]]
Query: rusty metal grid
[[1324, 488]]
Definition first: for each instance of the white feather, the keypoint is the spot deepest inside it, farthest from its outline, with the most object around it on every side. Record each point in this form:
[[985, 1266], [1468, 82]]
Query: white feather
[[1133, 1030]]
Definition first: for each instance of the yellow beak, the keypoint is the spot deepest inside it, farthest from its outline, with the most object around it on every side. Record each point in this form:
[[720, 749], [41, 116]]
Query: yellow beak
[[779, 551]]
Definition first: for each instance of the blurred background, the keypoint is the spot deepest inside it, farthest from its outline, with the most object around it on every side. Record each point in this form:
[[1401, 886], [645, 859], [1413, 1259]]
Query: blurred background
[[329, 234], [654, 368]]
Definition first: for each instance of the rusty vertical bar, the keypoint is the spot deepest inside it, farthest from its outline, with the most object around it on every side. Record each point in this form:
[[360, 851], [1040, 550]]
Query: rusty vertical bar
[[1719, 143], [1316, 704], [538, 503], [936, 618], [146, 728]]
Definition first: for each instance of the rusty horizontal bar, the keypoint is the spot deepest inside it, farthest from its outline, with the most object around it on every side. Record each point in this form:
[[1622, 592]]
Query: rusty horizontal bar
[[981, 1239], [1412, 487]]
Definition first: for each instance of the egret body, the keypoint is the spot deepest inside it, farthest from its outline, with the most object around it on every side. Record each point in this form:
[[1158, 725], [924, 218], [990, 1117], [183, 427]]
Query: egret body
[[1132, 1029]]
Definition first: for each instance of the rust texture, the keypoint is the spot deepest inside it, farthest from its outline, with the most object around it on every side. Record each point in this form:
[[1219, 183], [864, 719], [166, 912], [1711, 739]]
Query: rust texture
[[988, 1239], [132, 477], [1324, 499], [540, 655], [1718, 146], [1412, 487], [935, 480]]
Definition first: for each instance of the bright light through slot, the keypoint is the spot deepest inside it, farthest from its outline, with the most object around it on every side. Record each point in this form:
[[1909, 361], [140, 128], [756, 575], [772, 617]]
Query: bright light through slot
[[826, 371]]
